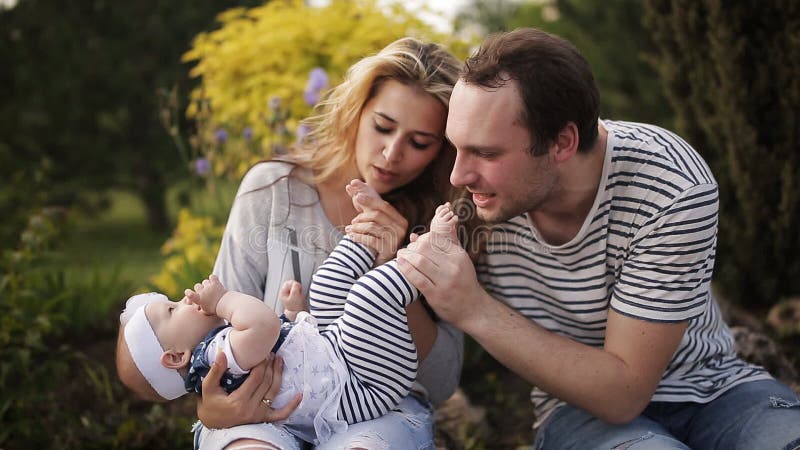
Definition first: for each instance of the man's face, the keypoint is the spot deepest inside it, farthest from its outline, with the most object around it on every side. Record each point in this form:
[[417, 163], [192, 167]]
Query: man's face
[[493, 157]]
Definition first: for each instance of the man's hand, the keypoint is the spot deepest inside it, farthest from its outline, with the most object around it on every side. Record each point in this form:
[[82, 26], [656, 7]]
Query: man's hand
[[446, 276], [248, 403]]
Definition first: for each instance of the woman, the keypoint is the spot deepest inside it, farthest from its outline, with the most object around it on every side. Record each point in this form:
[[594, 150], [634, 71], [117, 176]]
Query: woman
[[385, 125]]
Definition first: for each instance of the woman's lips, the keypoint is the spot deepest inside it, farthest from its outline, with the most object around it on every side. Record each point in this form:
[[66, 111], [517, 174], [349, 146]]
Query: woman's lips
[[384, 175]]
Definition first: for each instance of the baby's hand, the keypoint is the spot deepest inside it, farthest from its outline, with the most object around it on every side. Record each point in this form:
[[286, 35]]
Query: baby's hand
[[206, 294], [291, 296]]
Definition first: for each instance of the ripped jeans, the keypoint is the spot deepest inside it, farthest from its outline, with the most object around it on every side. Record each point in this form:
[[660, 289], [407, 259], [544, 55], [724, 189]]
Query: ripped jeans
[[409, 426], [762, 415]]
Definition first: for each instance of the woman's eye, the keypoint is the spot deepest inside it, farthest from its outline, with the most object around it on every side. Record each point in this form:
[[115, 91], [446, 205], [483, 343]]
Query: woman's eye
[[382, 130], [419, 145]]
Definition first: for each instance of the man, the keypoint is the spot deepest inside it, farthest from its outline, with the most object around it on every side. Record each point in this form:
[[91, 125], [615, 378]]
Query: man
[[596, 278]]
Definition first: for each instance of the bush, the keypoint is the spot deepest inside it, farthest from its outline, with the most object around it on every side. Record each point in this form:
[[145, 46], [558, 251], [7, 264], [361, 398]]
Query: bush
[[730, 69], [260, 73]]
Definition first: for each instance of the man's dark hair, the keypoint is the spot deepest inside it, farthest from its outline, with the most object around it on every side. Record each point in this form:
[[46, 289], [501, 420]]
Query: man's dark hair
[[555, 81]]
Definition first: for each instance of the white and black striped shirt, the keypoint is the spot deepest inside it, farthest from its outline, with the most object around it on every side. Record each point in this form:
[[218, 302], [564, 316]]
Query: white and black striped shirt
[[646, 249]]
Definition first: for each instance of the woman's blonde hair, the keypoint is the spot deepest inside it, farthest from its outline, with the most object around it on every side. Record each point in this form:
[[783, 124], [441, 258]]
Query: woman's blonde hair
[[330, 145]]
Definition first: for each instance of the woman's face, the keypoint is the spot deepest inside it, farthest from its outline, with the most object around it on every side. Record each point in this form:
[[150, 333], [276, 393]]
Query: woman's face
[[400, 132]]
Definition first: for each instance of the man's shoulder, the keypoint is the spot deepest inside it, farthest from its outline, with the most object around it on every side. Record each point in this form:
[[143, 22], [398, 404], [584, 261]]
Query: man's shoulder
[[656, 154]]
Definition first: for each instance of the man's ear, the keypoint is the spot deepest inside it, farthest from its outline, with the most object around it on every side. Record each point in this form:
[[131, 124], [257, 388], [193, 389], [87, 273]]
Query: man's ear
[[172, 359], [566, 143]]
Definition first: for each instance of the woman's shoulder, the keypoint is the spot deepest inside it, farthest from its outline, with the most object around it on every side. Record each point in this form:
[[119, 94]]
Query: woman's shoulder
[[269, 179], [267, 173]]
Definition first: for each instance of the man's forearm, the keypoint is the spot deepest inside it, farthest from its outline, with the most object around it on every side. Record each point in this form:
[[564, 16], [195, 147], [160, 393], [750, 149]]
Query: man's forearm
[[587, 377]]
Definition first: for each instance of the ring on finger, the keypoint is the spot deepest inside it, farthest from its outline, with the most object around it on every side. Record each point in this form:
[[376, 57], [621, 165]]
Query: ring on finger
[[267, 402]]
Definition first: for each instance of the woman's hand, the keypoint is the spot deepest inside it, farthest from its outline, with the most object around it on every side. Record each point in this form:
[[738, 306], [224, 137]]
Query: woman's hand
[[250, 403], [379, 226]]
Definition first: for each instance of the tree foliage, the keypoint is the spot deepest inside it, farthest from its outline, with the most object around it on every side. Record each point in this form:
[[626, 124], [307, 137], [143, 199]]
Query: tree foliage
[[254, 72], [266, 53], [731, 72], [79, 84]]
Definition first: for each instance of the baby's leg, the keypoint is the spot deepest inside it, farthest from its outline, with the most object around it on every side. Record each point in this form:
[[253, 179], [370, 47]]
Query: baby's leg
[[374, 340], [334, 278]]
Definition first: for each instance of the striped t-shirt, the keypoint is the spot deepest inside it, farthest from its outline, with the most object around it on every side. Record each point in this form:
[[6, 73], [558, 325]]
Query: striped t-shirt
[[646, 249]]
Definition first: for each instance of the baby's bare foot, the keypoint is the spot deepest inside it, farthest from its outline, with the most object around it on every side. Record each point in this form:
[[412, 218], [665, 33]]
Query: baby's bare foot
[[444, 227], [358, 187]]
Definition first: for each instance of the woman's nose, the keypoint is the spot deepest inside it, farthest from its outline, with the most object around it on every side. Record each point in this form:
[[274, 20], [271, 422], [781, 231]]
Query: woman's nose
[[393, 150]]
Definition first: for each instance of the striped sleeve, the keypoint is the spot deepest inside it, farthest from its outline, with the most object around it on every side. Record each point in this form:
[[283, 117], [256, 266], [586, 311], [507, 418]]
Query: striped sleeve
[[667, 271]]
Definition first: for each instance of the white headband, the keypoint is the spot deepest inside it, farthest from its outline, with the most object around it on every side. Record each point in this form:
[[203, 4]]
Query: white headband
[[145, 348]]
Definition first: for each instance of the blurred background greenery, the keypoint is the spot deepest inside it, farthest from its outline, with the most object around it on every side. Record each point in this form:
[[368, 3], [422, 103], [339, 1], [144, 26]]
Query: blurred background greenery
[[125, 127]]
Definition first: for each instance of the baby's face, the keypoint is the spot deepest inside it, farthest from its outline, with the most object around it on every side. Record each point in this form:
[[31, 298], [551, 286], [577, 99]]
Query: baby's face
[[180, 325]]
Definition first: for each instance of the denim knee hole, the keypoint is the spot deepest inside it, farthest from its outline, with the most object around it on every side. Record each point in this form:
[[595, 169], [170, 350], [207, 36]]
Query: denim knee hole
[[778, 402], [628, 444]]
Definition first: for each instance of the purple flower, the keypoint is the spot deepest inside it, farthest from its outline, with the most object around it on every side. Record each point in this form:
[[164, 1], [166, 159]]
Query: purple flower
[[274, 103], [202, 166], [311, 97], [247, 133], [317, 79], [302, 132], [221, 135]]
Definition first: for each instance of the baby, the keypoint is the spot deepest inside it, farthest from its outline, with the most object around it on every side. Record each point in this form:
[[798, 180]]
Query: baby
[[352, 358]]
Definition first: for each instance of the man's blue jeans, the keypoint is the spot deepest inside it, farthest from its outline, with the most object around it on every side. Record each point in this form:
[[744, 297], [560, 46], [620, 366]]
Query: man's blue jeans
[[760, 415]]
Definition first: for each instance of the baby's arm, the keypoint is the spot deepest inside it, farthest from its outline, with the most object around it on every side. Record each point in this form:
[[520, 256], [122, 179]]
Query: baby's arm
[[255, 325]]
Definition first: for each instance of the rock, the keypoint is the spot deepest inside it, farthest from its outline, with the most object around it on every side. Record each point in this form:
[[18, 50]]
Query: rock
[[458, 421], [754, 344], [785, 317], [758, 348]]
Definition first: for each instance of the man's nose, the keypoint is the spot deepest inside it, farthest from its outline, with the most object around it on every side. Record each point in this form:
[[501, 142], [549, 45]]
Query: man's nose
[[462, 174]]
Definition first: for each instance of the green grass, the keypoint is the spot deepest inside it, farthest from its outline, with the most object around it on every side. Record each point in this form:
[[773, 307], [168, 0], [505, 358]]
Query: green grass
[[118, 242]]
